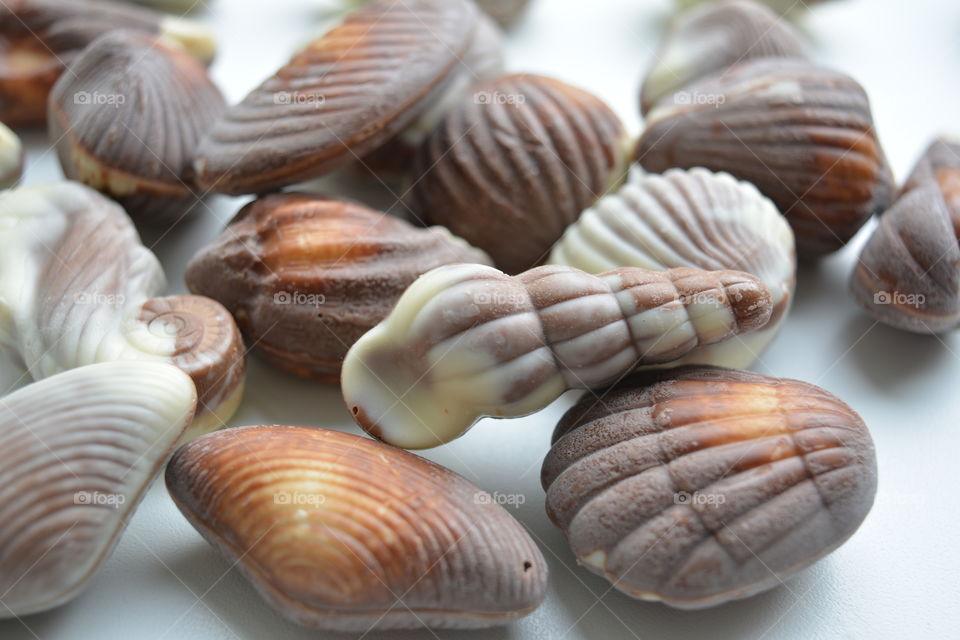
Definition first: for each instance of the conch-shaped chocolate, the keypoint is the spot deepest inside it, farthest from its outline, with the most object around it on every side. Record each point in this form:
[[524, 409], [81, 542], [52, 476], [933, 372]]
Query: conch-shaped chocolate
[[468, 341], [40, 38], [77, 287], [127, 118], [307, 275], [80, 449], [704, 485], [690, 218], [908, 275], [801, 133], [714, 37], [510, 167], [11, 157], [343, 96], [343, 533]]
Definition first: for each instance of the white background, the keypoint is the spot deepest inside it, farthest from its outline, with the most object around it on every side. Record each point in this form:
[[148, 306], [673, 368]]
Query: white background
[[897, 577]]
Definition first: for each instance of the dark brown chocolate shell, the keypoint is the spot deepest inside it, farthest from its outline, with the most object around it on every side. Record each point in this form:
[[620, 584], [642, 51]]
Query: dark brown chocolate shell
[[39, 38], [803, 134], [340, 98], [714, 37], [702, 485], [514, 164], [307, 275], [127, 119]]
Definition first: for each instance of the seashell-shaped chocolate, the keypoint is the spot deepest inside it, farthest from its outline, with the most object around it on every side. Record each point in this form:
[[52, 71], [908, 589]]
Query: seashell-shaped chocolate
[[468, 341], [343, 533], [340, 98], [690, 218], [80, 449], [127, 118], [704, 485], [802, 134], [77, 287], [512, 166], [40, 38], [714, 37], [11, 157], [306, 275], [908, 275]]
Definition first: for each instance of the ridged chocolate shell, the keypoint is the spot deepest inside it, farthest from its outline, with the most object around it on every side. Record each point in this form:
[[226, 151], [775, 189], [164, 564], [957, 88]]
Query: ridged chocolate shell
[[690, 218], [940, 164], [307, 275], [706, 485], [77, 287], [39, 38], [80, 449], [714, 37], [803, 134], [11, 157], [343, 96], [127, 119], [343, 533], [513, 165]]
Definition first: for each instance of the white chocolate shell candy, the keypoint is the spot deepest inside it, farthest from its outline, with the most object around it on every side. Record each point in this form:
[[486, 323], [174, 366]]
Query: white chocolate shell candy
[[343, 533], [468, 341], [11, 157], [80, 449], [690, 218], [77, 287]]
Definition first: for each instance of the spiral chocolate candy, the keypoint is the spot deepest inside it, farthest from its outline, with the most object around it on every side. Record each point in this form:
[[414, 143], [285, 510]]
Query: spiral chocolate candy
[[467, 341]]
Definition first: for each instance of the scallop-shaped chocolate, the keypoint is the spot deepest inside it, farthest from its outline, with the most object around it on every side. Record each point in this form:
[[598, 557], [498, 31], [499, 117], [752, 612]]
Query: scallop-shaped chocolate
[[340, 98], [127, 119], [77, 287], [80, 449], [39, 38], [512, 166], [11, 157], [344, 533], [306, 275], [714, 37], [801, 133], [705, 485], [908, 275], [690, 218]]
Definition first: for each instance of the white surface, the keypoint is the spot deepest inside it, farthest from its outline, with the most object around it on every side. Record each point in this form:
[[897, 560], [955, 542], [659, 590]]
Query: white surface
[[897, 577]]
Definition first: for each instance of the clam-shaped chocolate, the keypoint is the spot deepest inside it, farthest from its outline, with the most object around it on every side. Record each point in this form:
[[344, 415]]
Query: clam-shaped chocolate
[[80, 449], [127, 118], [510, 167], [343, 533], [690, 218], [77, 287], [40, 38], [11, 157], [343, 96], [307, 275], [908, 275], [468, 341], [706, 485], [803, 134], [714, 37]]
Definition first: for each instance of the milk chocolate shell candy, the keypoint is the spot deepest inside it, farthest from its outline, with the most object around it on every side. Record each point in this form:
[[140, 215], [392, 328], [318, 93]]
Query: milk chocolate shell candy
[[714, 37], [11, 157], [343, 96], [126, 120], [468, 341], [343, 533], [39, 38], [802, 134], [908, 275], [307, 275], [707, 485], [80, 449], [690, 218], [77, 287], [513, 165]]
